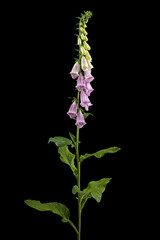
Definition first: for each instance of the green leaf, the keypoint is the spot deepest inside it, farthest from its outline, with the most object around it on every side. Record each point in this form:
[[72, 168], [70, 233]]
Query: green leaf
[[73, 138], [55, 207], [75, 189], [100, 153], [60, 141], [93, 190], [87, 114], [96, 188], [83, 195], [67, 157]]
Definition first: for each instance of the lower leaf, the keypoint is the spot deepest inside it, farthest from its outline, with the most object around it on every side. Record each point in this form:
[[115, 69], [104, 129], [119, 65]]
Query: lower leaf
[[55, 207]]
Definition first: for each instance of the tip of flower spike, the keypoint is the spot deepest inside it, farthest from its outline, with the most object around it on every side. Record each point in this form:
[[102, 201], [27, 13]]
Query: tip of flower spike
[[85, 16]]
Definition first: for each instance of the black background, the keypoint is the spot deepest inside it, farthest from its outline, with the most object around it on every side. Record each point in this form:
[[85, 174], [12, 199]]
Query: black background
[[41, 47]]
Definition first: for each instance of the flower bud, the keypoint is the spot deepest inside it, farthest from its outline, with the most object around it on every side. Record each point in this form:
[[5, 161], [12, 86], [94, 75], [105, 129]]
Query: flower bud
[[88, 56], [83, 51], [79, 41], [90, 66], [86, 46], [83, 37], [83, 30], [84, 64]]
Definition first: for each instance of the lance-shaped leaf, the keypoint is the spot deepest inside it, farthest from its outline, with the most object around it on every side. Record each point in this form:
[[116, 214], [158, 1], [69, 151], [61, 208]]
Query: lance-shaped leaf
[[100, 153], [73, 138], [67, 157], [60, 141], [55, 207]]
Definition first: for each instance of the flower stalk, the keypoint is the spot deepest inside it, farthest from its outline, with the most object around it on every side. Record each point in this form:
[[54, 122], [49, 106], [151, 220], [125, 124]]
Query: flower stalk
[[80, 86]]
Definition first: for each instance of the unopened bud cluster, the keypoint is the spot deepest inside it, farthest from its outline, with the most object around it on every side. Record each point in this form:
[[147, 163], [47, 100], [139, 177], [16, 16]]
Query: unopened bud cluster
[[82, 72]]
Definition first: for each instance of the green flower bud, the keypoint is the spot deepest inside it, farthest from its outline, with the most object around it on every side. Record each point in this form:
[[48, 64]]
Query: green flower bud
[[83, 30], [79, 42], [88, 56], [84, 26], [83, 37], [86, 46]]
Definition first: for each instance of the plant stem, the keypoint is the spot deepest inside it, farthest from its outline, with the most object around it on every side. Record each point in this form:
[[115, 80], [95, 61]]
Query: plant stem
[[74, 227], [78, 178]]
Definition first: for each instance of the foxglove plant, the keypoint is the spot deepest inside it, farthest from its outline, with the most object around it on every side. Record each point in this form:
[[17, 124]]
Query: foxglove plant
[[81, 73]]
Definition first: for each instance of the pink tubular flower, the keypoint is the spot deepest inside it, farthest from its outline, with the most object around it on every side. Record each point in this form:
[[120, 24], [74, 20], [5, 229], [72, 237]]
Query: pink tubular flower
[[88, 75], [72, 110], [80, 120], [88, 89], [85, 102], [75, 71], [81, 83]]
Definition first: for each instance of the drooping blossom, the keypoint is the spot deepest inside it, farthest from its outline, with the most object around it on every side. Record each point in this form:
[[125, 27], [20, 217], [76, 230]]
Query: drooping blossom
[[72, 110], [88, 75], [80, 121], [85, 102], [84, 64], [88, 89], [80, 83], [75, 70]]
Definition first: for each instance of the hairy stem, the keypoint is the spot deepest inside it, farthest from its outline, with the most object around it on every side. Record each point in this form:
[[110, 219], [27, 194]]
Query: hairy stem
[[79, 177]]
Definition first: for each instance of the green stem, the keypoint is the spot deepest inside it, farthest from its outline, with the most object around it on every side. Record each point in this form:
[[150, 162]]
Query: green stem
[[74, 227], [79, 176]]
